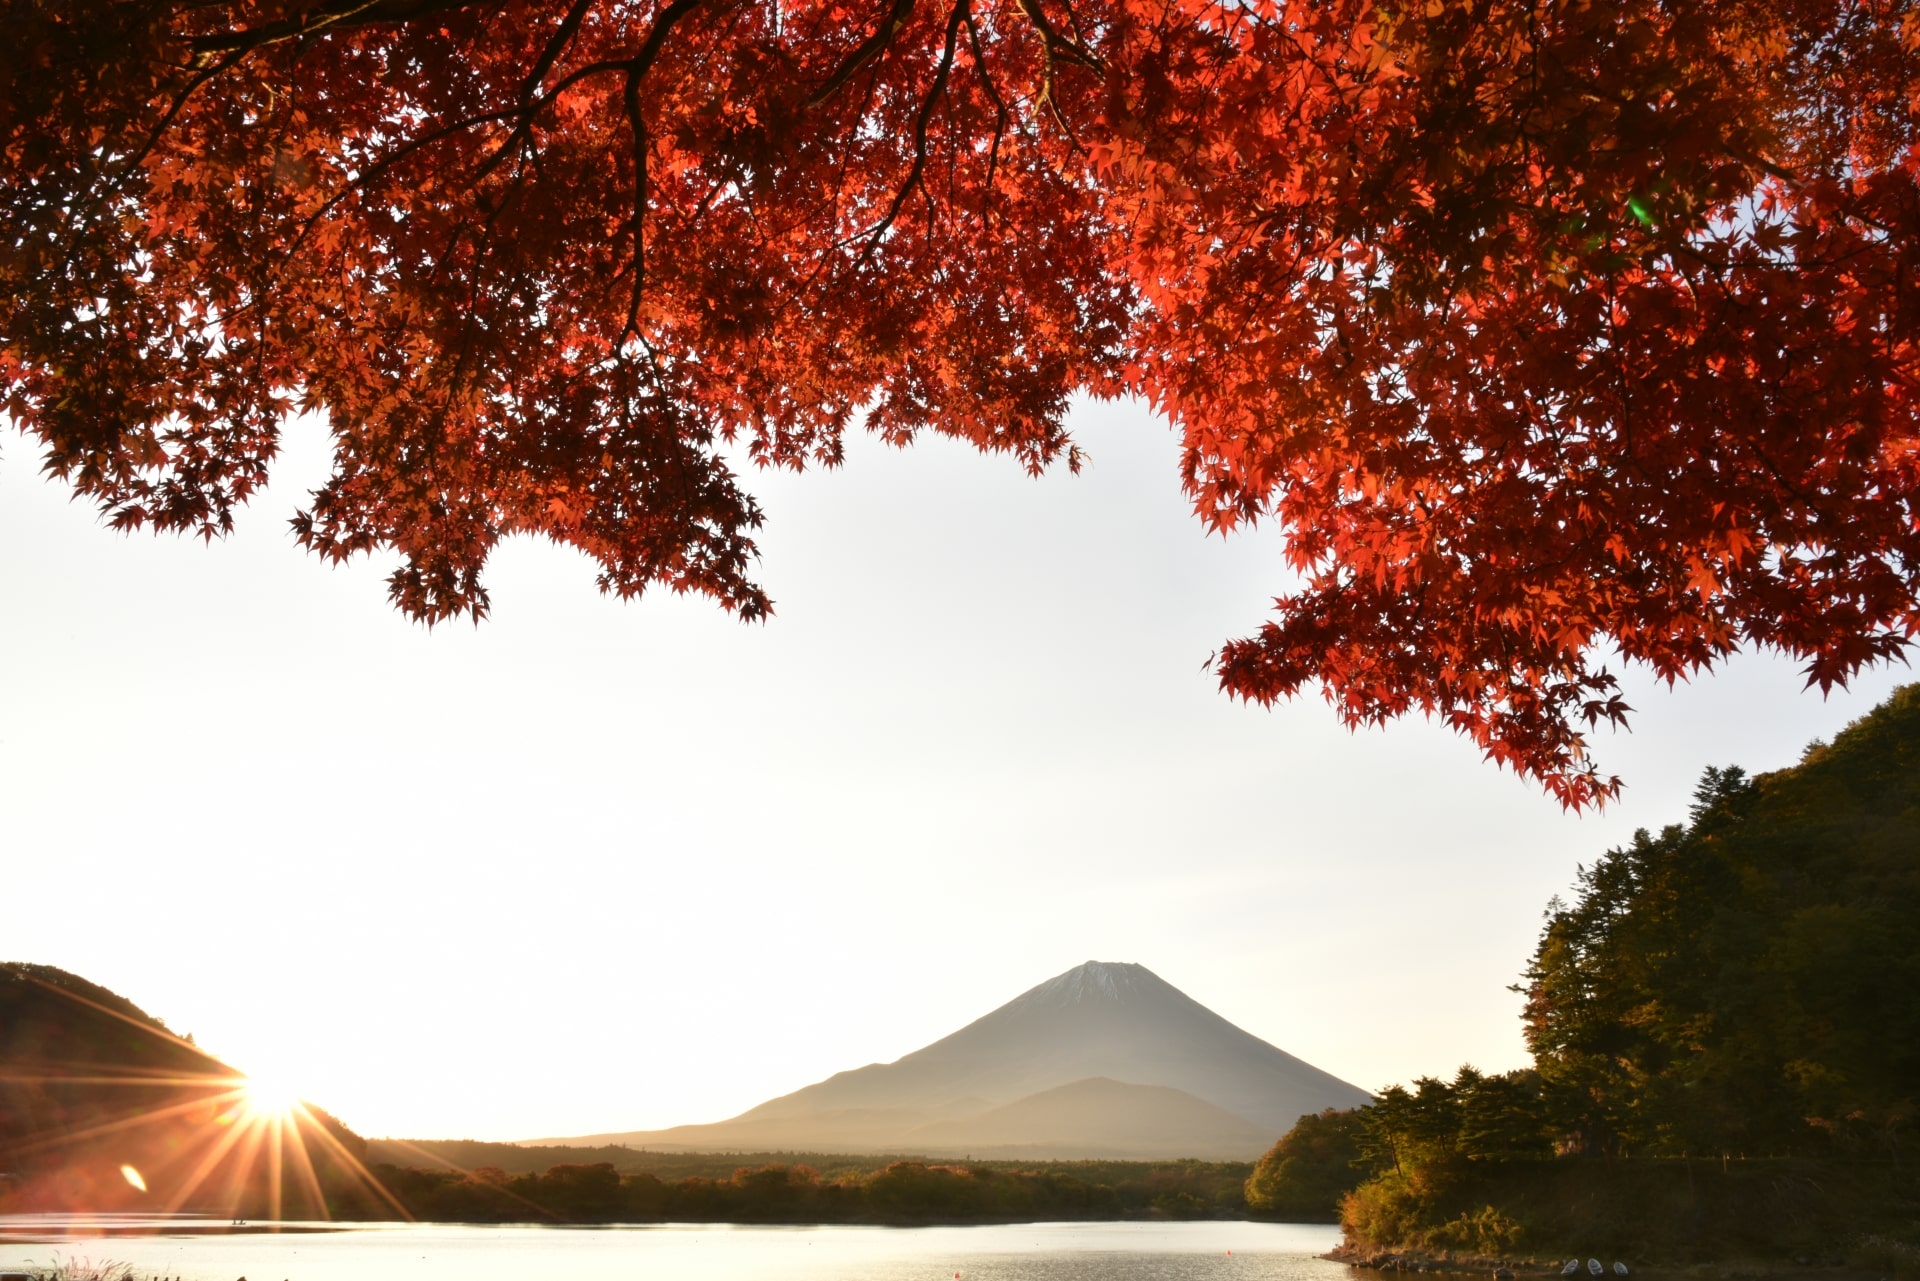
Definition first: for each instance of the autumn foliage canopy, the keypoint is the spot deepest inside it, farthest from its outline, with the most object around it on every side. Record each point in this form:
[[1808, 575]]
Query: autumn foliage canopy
[[1552, 332]]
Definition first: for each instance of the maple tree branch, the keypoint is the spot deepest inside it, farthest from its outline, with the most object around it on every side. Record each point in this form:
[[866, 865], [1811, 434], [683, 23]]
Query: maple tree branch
[[360, 181], [114, 184], [557, 45], [173, 113], [636, 66], [862, 54], [637, 69], [334, 16], [921, 119], [662, 27], [529, 111], [839, 191], [1073, 19], [637, 122], [1070, 49], [999, 104]]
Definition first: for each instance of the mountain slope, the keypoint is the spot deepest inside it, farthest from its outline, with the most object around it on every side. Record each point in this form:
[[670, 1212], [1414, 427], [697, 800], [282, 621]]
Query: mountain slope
[[1141, 1122], [1103, 1018], [1116, 1021]]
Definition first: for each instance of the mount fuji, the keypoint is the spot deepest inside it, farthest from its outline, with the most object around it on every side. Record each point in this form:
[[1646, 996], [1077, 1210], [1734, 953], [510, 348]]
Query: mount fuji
[[1107, 1060]]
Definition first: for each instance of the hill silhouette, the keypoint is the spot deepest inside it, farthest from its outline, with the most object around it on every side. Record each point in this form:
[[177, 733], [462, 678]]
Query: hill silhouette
[[103, 1108], [1106, 1060]]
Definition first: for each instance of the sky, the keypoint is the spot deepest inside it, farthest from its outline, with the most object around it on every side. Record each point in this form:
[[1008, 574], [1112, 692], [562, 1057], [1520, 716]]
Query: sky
[[596, 866]]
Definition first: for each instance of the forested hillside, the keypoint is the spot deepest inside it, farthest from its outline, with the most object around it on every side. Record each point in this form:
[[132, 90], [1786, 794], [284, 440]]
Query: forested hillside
[[1748, 984], [1725, 1027]]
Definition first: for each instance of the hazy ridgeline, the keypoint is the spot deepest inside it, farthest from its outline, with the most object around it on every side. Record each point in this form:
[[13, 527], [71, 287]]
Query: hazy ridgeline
[[853, 1189], [1725, 1027]]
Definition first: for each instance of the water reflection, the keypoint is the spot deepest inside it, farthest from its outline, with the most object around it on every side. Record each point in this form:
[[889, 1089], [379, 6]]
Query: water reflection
[[703, 1252]]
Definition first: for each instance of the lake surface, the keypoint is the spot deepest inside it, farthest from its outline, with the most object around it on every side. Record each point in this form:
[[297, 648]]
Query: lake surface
[[689, 1252]]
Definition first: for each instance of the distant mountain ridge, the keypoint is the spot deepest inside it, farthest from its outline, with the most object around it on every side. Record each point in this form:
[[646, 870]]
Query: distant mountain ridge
[[1105, 1060]]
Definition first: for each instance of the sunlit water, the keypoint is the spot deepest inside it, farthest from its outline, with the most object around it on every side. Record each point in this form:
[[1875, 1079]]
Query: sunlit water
[[697, 1252]]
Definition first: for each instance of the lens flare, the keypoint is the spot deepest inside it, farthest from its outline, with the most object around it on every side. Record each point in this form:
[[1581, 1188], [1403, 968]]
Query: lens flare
[[267, 1098], [233, 1142]]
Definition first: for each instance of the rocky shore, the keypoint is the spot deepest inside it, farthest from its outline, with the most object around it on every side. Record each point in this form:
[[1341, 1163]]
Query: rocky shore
[[1504, 1269], [1856, 1265]]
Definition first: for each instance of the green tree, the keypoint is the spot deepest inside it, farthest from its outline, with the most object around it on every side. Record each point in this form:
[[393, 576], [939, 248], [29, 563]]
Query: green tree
[[1749, 982], [1504, 1117], [1304, 1175]]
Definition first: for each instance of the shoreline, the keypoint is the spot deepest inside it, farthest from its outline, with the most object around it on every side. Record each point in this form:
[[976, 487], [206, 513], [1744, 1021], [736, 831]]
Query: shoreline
[[1509, 1268]]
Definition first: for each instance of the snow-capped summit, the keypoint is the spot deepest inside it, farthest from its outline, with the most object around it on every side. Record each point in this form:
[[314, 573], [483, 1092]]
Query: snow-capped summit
[[1093, 981]]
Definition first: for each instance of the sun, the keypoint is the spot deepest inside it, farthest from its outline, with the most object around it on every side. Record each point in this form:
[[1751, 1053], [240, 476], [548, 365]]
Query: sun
[[266, 1097]]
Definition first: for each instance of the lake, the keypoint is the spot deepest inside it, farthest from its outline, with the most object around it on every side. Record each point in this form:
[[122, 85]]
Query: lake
[[690, 1252]]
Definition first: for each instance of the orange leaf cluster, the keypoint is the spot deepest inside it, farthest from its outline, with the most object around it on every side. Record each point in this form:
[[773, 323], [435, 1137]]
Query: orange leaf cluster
[[1545, 328]]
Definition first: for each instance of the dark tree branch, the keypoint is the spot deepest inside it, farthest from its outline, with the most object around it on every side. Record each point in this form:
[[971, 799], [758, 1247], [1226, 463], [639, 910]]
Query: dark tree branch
[[864, 53], [365, 178], [637, 69], [636, 120], [1052, 43], [662, 27], [562, 37], [921, 119], [1065, 47], [331, 16], [993, 93]]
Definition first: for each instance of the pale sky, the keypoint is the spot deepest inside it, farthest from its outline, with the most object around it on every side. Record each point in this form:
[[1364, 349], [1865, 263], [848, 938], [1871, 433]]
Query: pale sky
[[596, 866]]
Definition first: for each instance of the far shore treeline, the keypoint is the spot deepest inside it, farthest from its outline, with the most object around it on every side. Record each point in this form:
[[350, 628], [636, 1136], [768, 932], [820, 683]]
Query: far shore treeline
[[1725, 1030], [852, 1190]]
